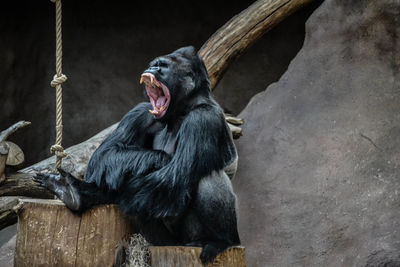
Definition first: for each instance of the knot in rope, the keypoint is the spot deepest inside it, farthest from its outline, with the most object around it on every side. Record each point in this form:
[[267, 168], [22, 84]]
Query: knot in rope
[[58, 80], [58, 150]]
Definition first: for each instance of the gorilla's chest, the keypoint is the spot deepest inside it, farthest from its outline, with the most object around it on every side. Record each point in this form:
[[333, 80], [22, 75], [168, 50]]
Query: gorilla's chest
[[165, 140]]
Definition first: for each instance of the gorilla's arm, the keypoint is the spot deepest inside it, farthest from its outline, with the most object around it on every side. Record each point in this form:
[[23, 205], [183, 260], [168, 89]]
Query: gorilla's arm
[[127, 151], [203, 145]]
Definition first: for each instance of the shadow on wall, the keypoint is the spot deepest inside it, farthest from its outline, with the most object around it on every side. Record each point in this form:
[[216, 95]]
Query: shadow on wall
[[106, 47]]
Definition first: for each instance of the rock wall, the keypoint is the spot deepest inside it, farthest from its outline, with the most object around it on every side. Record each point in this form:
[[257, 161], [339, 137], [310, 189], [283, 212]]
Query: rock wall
[[318, 178]]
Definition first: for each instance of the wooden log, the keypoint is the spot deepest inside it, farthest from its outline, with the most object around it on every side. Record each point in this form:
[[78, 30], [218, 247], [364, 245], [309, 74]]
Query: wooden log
[[13, 128], [49, 234], [8, 215], [235, 130], [4, 148], [22, 184], [77, 156], [190, 257], [233, 120], [242, 31], [16, 156]]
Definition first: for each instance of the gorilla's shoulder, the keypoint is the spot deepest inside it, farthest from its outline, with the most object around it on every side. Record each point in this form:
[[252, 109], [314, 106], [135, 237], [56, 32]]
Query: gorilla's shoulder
[[206, 115]]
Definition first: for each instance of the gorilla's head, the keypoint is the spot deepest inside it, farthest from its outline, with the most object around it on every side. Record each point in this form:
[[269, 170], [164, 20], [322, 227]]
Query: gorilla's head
[[172, 80]]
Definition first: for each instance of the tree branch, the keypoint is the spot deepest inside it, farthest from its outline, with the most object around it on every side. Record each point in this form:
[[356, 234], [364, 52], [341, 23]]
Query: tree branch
[[6, 133], [242, 31]]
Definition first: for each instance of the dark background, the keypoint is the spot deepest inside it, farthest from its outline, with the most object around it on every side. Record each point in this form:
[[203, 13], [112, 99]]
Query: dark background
[[106, 47]]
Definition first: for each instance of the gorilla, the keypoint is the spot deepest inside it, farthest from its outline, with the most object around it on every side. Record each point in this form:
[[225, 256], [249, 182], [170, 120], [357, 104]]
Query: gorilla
[[168, 164]]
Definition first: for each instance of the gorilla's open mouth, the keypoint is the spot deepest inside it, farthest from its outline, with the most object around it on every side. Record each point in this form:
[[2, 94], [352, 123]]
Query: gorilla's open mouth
[[158, 94]]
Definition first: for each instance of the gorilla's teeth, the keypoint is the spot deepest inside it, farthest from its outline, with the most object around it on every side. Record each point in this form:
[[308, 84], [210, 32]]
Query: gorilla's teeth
[[152, 79], [155, 111], [141, 80]]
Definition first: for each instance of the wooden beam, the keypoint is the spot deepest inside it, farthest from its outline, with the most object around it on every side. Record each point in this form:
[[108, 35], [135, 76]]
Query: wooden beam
[[242, 31]]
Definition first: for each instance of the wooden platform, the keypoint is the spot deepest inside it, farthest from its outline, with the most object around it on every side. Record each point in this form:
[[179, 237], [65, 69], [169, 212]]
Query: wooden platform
[[49, 234], [189, 257]]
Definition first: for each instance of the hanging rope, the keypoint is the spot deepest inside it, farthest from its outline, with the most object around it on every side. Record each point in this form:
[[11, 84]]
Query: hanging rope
[[58, 79]]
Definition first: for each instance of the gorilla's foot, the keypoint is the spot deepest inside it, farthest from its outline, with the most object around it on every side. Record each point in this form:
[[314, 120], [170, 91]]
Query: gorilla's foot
[[211, 250], [62, 185]]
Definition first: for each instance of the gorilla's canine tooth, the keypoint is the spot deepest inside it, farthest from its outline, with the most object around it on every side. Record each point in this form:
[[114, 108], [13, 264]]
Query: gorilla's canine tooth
[[141, 80], [155, 111], [152, 79]]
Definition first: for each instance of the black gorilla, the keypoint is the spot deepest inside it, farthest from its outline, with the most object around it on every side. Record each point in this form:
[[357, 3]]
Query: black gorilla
[[167, 168]]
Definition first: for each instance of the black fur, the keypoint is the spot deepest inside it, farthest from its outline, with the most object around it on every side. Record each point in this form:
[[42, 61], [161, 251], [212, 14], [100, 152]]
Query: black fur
[[166, 173]]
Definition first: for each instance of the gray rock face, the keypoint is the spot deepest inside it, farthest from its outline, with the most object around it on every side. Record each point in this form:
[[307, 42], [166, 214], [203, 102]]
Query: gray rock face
[[318, 180]]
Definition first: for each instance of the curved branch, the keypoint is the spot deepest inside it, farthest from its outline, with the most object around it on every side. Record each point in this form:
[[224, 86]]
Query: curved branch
[[6, 133], [243, 30]]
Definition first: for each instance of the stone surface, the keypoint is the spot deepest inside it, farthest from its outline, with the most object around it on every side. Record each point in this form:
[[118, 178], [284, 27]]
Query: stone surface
[[318, 178], [7, 253]]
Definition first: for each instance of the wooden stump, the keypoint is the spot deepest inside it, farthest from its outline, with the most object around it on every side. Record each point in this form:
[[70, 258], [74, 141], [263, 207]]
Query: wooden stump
[[190, 257], [49, 234]]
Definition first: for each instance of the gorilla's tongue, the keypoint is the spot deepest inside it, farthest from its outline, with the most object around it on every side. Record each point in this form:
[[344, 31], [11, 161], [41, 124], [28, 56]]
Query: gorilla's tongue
[[158, 93], [161, 101]]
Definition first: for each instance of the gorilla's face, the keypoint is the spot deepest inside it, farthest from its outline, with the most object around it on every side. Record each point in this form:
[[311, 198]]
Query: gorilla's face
[[172, 78]]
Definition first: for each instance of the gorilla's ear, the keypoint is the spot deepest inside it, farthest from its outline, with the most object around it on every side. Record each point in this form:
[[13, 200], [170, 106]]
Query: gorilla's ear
[[188, 51], [188, 84]]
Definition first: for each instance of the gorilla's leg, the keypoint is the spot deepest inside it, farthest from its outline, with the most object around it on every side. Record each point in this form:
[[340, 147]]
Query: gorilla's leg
[[213, 223], [155, 231], [76, 194]]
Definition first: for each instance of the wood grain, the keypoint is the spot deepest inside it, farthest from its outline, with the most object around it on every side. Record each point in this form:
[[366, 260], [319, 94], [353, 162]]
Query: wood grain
[[178, 256], [49, 234]]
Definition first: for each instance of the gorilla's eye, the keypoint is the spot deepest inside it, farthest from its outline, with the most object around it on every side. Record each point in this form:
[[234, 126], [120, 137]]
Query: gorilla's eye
[[161, 63], [190, 74]]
